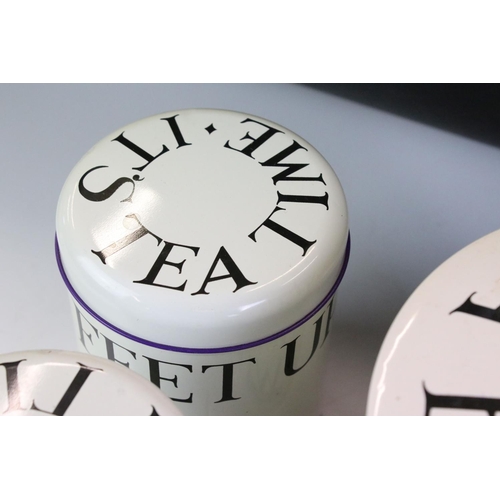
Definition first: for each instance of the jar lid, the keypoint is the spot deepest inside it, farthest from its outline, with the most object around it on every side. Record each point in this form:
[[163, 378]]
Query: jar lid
[[202, 228], [45, 383], [440, 356]]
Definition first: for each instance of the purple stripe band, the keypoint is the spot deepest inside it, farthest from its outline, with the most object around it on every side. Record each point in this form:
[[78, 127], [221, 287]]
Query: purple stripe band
[[213, 350]]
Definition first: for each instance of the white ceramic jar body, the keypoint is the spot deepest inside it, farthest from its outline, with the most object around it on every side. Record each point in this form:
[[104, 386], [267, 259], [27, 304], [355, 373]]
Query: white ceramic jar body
[[279, 377], [205, 247]]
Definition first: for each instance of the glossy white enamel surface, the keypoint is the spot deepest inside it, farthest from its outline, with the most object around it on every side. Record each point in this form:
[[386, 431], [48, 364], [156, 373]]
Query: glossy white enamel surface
[[279, 377], [439, 360], [61, 383], [201, 196]]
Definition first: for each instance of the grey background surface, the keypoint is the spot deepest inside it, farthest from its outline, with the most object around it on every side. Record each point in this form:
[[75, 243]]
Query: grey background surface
[[416, 195]]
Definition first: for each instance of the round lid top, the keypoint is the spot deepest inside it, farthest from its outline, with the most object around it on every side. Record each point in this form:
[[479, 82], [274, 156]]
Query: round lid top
[[202, 228], [44, 383], [441, 353]]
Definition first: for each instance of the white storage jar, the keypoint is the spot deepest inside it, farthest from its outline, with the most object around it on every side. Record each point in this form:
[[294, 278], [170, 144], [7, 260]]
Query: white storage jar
[[203, 248]]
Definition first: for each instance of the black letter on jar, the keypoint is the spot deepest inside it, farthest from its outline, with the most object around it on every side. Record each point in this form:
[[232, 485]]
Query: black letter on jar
[[227, 378], [72, 391], [83, 333], [13, 391], [298, 198], [469, 307], [154, 376], [248, 150], [328, 321], [110, 352], [162, 261], [290, 168], [109, 191], [284, 232], [290, 350], [126, 241], [489, 405], [144, 154], [233, 272]]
